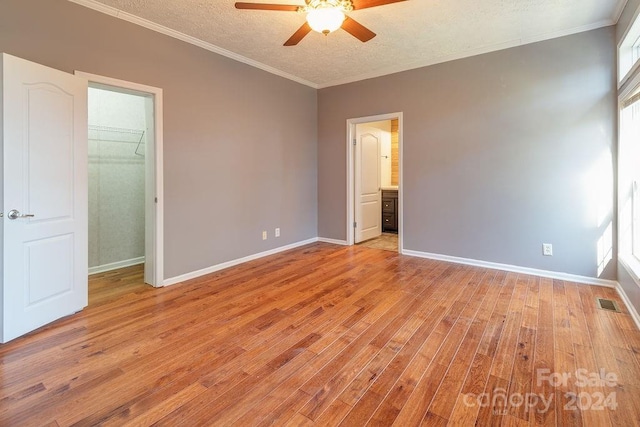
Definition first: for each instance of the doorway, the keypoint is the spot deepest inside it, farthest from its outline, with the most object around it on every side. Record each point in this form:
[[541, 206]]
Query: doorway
[[117, 129], [125, 177], [374, 175]]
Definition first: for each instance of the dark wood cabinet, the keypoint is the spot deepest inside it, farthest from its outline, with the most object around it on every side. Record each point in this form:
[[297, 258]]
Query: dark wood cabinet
[[390, 211]]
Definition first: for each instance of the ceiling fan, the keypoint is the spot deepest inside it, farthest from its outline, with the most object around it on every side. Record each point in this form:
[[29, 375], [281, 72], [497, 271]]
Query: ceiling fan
[[324, 16]]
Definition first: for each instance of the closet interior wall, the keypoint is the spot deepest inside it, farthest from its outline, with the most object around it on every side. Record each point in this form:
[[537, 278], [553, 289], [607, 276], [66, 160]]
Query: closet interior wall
[[117, 138]]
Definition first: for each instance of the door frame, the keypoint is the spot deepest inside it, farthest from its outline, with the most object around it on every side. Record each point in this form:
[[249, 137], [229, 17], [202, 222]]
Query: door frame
[[351, 199], [156, 215]]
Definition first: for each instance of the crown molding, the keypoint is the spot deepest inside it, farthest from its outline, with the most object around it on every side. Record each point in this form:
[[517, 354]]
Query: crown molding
[[120, 14], [125, 16], [617, 13]]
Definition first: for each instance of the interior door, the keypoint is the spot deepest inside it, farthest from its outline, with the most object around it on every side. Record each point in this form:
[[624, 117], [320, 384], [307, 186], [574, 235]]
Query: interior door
[[368, 209], [44, 182]]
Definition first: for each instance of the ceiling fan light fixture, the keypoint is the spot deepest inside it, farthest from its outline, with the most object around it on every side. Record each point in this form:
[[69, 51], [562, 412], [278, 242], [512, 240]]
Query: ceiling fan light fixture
[[325, 20]]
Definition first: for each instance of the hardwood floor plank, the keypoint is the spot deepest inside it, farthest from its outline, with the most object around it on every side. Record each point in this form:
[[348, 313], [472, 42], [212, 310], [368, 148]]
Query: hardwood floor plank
[[394, 389], [627, 396], [224, 404], [402, 328], [502, 349], [522, 371], [299, 420], [585, 358], [436, 357], [378, 334], [155, 413], [520, 384], [153, 399], [543, 413], [286, 399], [453, 381], [504, 357], [328, 335], [565, 363], [367, 403]]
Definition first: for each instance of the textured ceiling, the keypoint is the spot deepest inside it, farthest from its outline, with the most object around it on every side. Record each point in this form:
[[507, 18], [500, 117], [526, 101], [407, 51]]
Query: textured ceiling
[[410, 34]]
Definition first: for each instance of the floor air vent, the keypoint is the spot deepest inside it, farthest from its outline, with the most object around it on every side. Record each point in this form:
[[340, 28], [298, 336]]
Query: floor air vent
[[607, 304]]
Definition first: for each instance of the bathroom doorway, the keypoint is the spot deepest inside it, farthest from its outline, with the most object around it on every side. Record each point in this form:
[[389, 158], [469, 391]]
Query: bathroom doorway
[[374, 208]]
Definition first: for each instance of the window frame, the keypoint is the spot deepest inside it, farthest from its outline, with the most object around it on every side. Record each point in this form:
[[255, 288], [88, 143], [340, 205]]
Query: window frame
[[628, 59], [635, 219], [628, 56]]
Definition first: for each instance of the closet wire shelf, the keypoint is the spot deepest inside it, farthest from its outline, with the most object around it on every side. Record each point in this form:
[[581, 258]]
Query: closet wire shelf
[[114, 134]]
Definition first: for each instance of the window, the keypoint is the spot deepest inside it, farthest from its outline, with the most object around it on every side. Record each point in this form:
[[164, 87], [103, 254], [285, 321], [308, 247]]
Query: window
[[635, 52], [629, 176], [629, 51], [635, 222], [628, 172]]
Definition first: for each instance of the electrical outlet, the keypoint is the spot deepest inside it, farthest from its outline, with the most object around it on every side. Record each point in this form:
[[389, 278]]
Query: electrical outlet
[[547, 249], [277, 233], [264, 235]]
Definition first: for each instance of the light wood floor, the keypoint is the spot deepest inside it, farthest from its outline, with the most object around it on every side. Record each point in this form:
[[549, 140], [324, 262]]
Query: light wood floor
[[326, 335]]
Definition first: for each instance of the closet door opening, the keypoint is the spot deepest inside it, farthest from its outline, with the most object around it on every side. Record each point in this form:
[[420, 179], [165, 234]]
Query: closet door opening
[[121, 194], [117, 140]]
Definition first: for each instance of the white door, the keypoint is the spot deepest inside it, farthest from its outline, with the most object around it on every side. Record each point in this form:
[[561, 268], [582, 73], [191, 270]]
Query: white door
[[368, 209], [44, 182]]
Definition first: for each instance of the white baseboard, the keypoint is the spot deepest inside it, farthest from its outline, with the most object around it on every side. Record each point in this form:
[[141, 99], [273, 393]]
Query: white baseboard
[[116, 265], [635, 279], [332, 241], [478, 263], [632, 310], [222, 266], [536, 272], [516, 269]]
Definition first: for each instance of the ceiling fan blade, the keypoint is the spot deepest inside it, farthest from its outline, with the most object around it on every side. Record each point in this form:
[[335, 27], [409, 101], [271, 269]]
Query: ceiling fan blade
[[298, 35], [357, 30], [265, 6], [363, 4]]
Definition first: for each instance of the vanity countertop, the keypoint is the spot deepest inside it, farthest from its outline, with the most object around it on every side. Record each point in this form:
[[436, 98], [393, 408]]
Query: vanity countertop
[[390, 188]]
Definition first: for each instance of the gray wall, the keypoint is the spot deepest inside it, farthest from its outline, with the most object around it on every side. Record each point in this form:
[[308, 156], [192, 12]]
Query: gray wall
[[499, 152], [239, 143], [498, 148], [627, 282]]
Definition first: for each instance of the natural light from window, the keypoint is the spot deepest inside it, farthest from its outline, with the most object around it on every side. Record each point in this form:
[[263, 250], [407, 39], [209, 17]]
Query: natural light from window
[[628, 180], [629, 52], [599, 188]]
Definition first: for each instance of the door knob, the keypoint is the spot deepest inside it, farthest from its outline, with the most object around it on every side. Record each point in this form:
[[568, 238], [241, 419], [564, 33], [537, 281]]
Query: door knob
[[15, 214]]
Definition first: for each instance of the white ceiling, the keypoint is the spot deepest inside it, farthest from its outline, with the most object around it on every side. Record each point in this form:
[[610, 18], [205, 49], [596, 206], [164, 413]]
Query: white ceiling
[[410, 34]]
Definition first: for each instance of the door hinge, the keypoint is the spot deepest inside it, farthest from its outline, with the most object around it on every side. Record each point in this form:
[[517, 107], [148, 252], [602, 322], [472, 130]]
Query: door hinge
[[155, 199], [354, 141], [355, 224]]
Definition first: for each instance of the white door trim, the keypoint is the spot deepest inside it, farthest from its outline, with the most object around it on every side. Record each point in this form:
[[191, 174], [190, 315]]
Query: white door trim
[[351, 134], [137, 89]]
